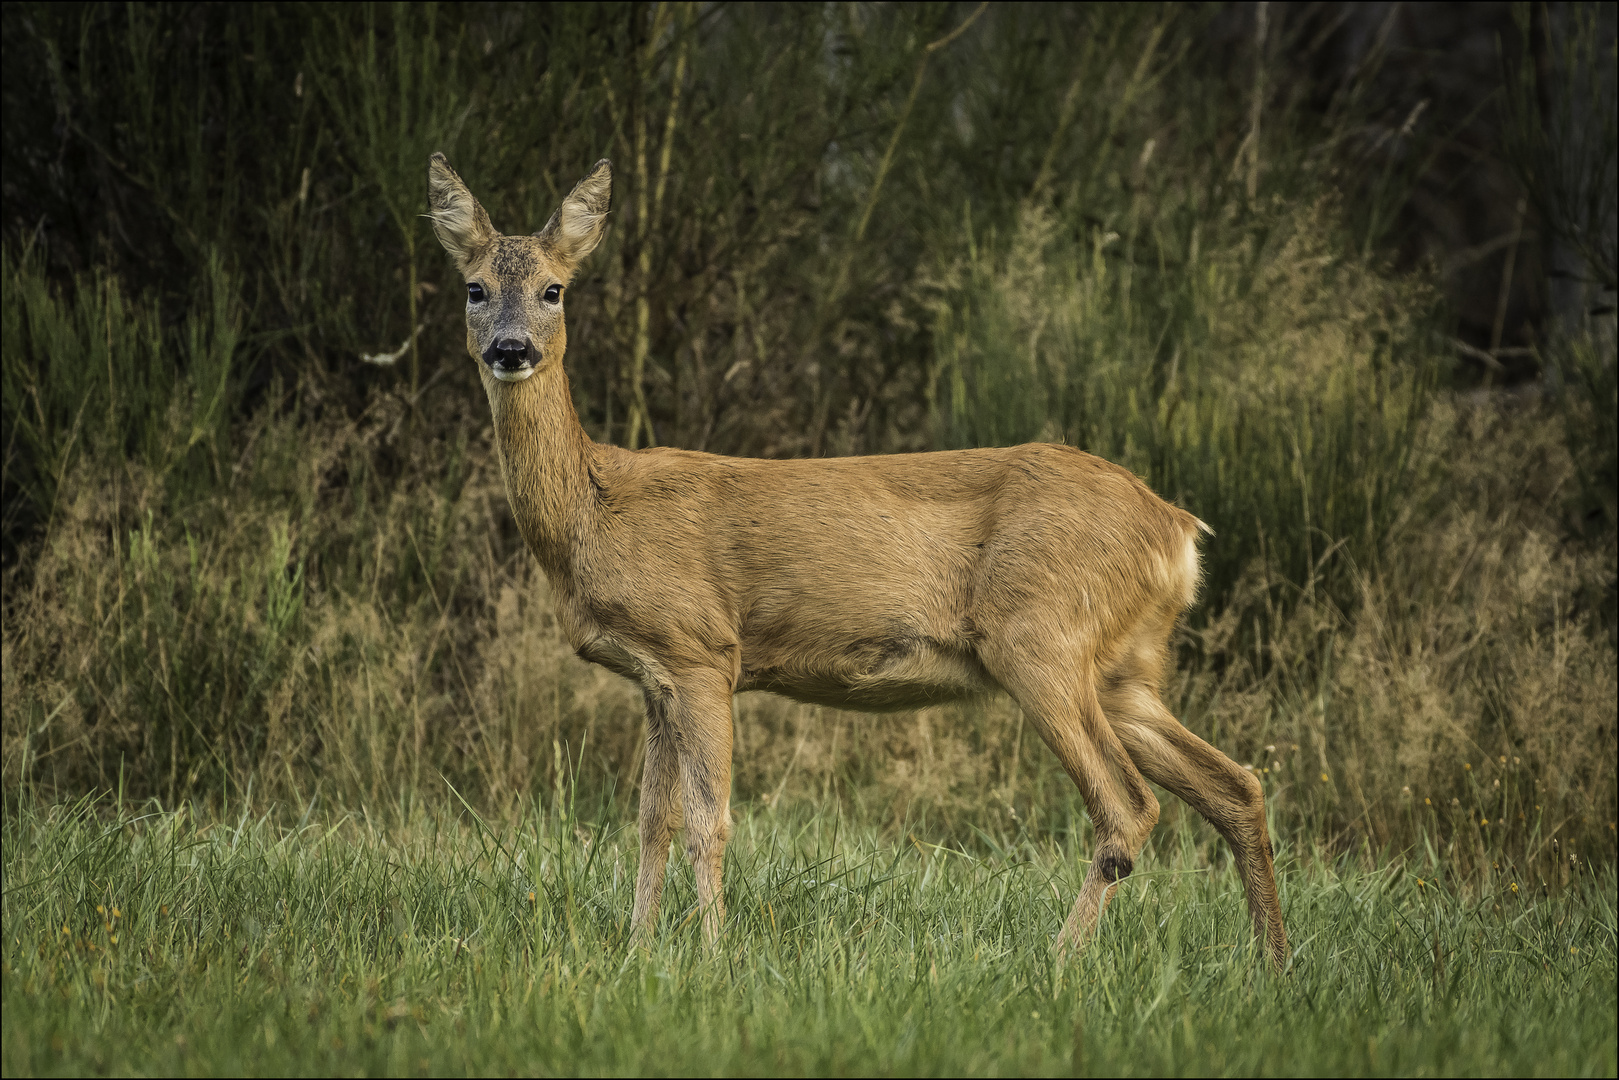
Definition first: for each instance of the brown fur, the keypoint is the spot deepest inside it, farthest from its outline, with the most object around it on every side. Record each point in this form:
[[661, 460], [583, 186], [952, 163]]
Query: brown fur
[[870, 583]]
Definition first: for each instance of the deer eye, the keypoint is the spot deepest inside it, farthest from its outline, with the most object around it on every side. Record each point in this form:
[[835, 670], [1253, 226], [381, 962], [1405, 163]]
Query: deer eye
[[475, 293], [553, 294]]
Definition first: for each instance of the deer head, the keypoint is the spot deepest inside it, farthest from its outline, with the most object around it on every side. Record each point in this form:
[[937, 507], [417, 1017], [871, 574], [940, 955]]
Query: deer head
[[515, 283]]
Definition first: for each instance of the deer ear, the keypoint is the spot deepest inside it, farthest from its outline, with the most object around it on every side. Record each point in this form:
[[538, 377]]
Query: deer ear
[[576, 228], [461, 224]]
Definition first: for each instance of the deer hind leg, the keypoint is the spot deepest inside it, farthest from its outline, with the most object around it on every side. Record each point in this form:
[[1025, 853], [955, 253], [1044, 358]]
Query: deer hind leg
[[660, 813], [703, 733], [1211, 783], [1060, 700]]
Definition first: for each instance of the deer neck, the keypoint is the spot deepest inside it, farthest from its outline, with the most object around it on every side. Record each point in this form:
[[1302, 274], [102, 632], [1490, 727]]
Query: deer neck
[[545, 461]]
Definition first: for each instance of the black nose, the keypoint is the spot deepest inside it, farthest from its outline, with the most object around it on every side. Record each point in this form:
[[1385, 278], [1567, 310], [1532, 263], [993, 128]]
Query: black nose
[[509, 354]]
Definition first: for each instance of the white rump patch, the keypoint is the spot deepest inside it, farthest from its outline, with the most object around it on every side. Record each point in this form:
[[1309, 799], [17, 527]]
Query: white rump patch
[[1190, 570]]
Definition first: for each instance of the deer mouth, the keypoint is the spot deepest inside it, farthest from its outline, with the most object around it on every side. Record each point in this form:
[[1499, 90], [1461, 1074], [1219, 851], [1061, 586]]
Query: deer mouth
[[511, 374]]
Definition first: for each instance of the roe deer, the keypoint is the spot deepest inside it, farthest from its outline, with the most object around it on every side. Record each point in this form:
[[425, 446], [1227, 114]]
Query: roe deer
[[867, 583]]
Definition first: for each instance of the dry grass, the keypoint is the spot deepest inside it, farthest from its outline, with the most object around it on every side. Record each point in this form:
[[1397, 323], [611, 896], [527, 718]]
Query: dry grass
[[1465, 697], [244, 560]]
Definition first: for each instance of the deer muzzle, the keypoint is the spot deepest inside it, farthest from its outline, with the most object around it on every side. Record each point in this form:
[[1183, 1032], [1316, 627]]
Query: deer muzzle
[[510, 359]]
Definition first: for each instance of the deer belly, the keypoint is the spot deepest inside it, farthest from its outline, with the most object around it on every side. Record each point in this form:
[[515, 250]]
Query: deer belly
[[871, 674]]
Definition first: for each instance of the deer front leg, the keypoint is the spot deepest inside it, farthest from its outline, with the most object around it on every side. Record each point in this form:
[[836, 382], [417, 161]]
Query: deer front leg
[[659, 815], [703, 725]]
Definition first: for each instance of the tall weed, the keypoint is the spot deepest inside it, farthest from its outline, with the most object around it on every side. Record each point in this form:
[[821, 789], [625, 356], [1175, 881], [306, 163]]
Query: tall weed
[[237, 556], [1269, 381]]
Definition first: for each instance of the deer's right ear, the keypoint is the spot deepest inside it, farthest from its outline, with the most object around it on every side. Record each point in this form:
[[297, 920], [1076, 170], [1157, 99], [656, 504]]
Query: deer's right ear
[[461, 224]]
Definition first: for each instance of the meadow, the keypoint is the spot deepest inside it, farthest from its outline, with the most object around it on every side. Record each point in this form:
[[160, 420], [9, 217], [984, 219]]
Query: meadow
[[153, 942], [300, 775]]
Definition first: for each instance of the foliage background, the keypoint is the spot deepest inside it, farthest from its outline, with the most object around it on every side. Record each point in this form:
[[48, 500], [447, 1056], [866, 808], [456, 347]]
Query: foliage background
[[241, 560]]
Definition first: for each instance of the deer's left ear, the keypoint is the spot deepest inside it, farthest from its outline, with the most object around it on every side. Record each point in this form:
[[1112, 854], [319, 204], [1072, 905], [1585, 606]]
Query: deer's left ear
[[576, 228]]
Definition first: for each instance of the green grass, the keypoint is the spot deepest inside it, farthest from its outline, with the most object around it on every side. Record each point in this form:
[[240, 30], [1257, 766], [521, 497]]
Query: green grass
[[167, 944]]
